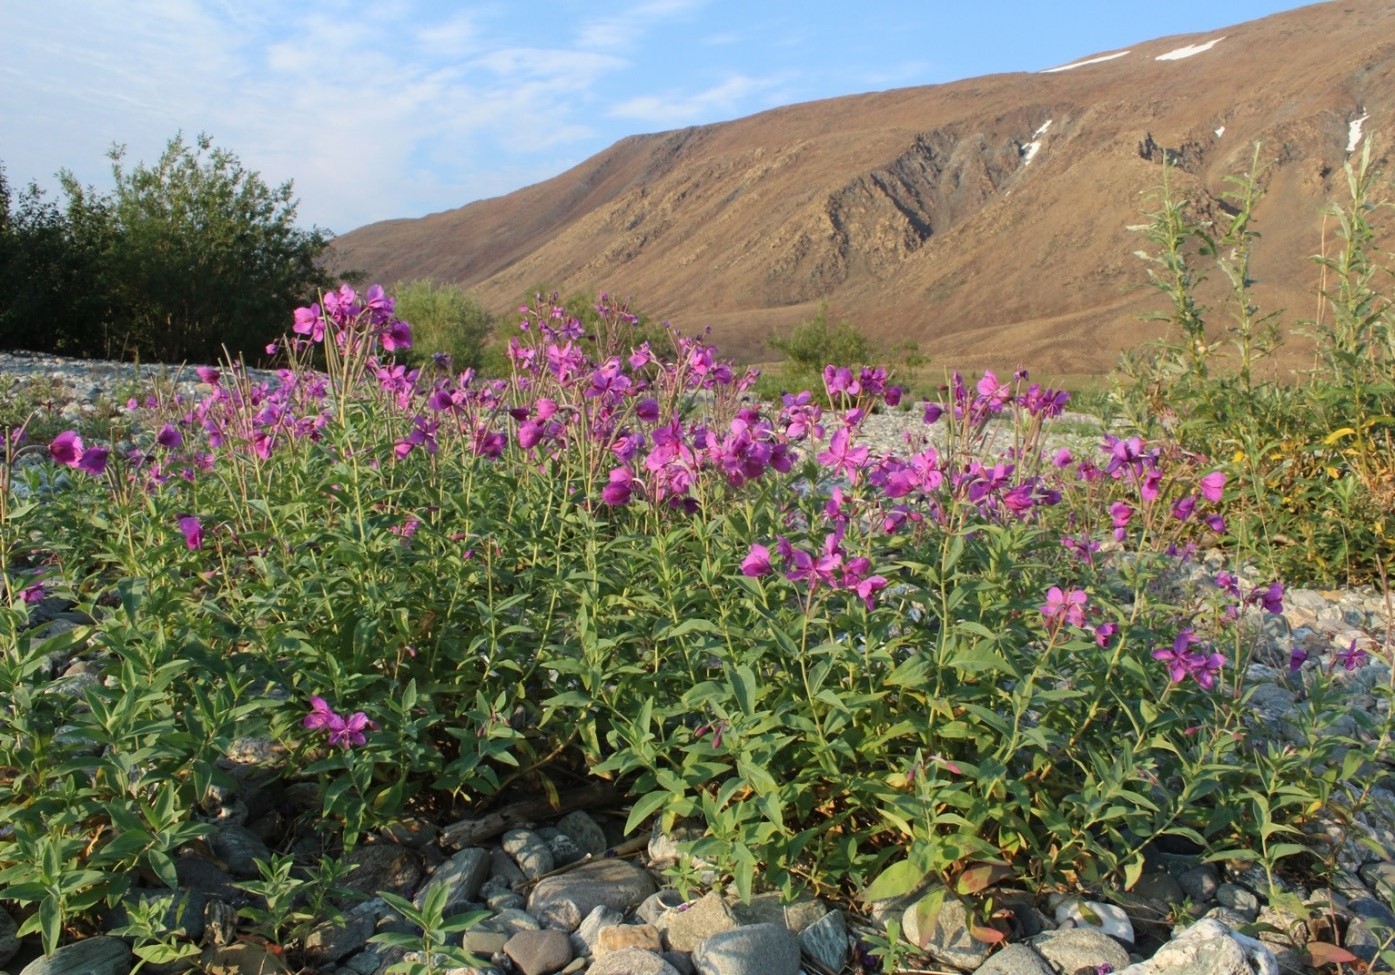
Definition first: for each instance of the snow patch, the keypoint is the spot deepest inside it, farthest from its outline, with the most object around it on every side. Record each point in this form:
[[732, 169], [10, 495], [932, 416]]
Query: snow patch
[[1188, 51], [1354, 132], [1030, 149], [1081, 64], [1220, 132]]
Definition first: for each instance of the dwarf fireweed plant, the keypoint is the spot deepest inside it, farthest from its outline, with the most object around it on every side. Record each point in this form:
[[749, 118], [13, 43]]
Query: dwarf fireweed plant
[[857, 671]]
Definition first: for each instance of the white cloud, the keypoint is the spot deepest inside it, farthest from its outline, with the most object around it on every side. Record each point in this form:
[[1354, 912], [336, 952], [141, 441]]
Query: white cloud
[[675, 108]]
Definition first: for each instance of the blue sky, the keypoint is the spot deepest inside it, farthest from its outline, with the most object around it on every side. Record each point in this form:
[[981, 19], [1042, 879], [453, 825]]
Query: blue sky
[[405, 107]]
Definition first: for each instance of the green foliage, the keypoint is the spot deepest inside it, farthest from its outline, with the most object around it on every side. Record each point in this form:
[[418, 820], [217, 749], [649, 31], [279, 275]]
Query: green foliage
[[814, 344], [179, 261], [445, 319], [55, 294], [1313, 459]]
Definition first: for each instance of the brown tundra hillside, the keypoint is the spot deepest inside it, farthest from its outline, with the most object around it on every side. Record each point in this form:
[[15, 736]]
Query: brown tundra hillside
[[987, 220]]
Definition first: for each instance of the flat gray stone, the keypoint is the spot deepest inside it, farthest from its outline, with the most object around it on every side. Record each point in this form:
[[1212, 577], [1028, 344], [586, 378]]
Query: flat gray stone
[[463, 875], [1071, 949], [631, 961], [950, 941], [753, 949], [9, 938], [1200, 883], [239, 848], [562, 901], [584, 831], [1017, 959], [684, 926], [530, 851], [539, 952], [586, 935], [658, 902], [330, 942], [1204, 948], [381, 867], [826, 941], [95, 956]]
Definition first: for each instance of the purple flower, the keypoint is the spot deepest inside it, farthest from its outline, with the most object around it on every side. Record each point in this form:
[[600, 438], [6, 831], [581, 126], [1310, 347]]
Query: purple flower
[[342, 731], [207, 374], [308, 321], [1176, 658], [34, 593], [169, 437], [1183, 662], [620, 488], [1296, 658], [66, 448], [396, 336], [842, 456], [1069, 607], [1271, 598], [192, 529], [757, 561], [1212, 486], [320, 714], [93, 460], [1351, 657]]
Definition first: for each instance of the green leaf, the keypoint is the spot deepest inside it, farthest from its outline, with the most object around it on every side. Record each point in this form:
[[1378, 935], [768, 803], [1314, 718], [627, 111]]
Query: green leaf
[[743, 685], [645, 807], [981, 876], [896, 880]]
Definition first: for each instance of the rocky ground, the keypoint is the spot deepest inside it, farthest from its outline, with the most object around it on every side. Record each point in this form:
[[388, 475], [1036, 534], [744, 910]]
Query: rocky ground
[[565, 891]]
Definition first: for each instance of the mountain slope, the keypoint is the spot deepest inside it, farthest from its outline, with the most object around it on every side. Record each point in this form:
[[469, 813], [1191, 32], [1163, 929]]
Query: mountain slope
[[986, 219]]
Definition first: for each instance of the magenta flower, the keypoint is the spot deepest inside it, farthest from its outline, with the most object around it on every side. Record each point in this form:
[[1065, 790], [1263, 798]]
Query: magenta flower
[[93, 460], [34, 593], [1067, 606], [757, 561], [342, 731], [66, 448], [1212, 486], [192, 529], [169, 437], [842, 456], [620, 487], [1351, 657]]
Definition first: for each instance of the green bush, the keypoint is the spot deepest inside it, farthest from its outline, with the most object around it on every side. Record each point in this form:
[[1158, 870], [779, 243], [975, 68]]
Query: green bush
[[446, 320], [179, 261]]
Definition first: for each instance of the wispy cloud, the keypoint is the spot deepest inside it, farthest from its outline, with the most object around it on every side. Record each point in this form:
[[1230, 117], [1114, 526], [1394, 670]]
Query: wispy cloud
[[675, 107]]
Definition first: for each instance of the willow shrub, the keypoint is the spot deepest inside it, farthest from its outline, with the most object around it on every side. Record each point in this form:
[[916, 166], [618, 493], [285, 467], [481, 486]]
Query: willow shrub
[[856, 672]]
